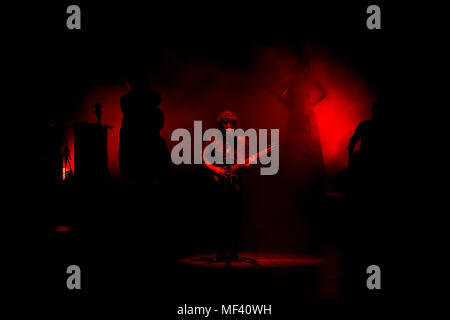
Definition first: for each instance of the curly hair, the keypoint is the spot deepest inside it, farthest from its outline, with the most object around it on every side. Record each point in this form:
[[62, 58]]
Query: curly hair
[[227, 116]]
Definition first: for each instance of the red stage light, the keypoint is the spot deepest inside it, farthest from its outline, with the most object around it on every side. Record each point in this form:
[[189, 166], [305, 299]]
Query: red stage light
[[63, 228]]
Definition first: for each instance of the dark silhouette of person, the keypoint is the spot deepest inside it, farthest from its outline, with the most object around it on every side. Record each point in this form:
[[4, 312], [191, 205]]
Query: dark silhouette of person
[[303, 164], [304, 150], [370, 133], [143, 153], [227, 194], [366, 185]]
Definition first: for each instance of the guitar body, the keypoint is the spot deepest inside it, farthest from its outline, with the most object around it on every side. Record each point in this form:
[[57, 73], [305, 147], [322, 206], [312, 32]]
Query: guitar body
[[227, 182], [230, 180]]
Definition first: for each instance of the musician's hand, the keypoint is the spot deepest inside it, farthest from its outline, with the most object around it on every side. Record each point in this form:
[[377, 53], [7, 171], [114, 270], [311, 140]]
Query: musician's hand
[[219, 170]]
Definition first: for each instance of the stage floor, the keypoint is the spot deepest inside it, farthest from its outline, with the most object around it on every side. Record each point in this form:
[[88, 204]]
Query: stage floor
[[264, 260]]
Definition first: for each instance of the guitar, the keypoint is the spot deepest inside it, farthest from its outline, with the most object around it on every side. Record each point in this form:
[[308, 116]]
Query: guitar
[[229, 177]]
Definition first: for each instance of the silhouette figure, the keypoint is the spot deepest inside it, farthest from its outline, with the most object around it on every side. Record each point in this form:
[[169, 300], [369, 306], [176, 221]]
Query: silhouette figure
[[143, 153], [366, 166], [303, 166], [366, 185], [370, 133], [304, 151]]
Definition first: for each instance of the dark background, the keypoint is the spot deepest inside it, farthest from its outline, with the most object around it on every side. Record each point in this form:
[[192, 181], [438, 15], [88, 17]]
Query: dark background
[[59, 66]]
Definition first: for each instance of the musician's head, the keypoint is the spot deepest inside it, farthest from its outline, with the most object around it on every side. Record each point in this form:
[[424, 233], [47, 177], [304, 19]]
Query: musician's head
[[227, 120]]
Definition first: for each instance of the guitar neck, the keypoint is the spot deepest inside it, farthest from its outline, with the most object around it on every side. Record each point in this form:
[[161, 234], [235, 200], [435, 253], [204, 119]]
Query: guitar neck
[[257, 155], [236, 167]]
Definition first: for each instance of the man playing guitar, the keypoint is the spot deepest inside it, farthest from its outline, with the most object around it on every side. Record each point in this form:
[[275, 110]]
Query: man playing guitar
[[227, 193]]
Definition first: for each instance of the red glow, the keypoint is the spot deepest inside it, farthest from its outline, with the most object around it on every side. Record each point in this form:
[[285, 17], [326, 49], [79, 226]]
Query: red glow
[[108, 97], [203, 90], [348, 102], [63, 228], [265, 260]]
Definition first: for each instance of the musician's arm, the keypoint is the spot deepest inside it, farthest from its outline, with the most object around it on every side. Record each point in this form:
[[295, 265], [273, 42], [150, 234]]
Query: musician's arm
[[280, 96], [214, 168], [246, 154]]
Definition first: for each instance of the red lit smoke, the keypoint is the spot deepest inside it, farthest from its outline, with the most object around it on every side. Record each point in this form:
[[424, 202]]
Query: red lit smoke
[[277, 207], [201, 90]]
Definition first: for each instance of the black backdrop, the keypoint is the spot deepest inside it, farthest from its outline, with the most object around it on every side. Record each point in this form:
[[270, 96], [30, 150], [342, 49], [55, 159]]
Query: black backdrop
[[58, 67]]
